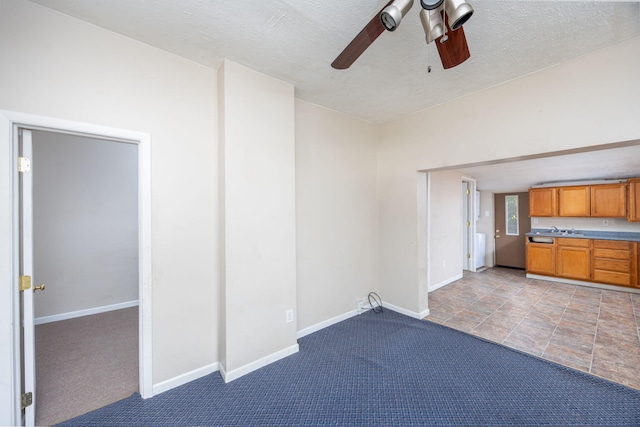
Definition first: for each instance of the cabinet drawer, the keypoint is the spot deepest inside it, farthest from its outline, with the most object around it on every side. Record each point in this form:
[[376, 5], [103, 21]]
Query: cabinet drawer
[[576, 243], [611, 254], [612, 277], [612, 244], [620, 266]]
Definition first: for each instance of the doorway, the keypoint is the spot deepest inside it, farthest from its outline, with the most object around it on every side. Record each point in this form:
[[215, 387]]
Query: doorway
[[22, 355], [85, 248], [512, 223]]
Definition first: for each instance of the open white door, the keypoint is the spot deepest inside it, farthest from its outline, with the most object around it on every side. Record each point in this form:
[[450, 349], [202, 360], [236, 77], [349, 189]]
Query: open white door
[[26, 278]]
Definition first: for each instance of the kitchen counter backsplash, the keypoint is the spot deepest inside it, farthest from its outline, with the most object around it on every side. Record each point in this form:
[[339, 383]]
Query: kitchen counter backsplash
[[586, 234]]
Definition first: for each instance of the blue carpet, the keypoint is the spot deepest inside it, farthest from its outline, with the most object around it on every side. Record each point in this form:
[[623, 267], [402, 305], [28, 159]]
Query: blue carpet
[[387, 369]]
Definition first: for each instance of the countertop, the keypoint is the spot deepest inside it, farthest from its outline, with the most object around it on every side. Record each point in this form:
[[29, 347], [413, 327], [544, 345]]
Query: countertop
[[586, 234]]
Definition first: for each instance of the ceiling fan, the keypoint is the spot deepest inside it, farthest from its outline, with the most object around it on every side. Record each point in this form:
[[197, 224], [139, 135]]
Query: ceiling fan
[[437, 16]]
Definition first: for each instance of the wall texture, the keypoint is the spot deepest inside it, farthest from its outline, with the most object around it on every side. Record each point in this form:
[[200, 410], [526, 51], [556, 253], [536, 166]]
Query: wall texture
[[85, 196], [258, 227], [336, 204], [68, 69], [588, 101]]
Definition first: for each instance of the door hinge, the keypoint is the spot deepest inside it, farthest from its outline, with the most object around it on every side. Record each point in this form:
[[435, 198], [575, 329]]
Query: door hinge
[[24, 283], [24, 164], [26, 399], [468, 256], [468, 224], [468, 192]]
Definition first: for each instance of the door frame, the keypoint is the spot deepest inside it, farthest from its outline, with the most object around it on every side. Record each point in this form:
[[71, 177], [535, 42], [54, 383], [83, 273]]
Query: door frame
[[468, 213], [10, 364]]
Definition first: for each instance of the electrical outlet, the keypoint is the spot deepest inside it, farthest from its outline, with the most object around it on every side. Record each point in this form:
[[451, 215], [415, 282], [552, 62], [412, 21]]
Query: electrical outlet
[[535, 220], [362, 305], [289, 315], [605, 222]]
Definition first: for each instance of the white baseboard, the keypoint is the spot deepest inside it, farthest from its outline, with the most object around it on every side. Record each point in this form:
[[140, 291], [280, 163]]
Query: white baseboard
[[406, 312], [254, 366], [444, 283], [318, 326], [87, 312], [185, 378]]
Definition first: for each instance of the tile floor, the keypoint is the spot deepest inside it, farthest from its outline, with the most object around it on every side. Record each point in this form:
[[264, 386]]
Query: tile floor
[[593, 330]]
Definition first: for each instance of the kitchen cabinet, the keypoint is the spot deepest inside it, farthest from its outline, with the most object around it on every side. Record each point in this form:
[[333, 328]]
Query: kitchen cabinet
[[543, 201], [541, 258], [573, 258], [615, 262], [574, 201], [609, 200], [634, 200]]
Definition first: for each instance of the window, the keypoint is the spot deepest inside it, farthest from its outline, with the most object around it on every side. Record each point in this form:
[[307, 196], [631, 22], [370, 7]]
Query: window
[[511, 220]]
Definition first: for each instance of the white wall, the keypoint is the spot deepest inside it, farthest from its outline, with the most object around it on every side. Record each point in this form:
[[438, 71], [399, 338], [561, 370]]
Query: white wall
[[588, 101], [64, 68], [85, 220], [257, 157], [336, 212], [445, 227]]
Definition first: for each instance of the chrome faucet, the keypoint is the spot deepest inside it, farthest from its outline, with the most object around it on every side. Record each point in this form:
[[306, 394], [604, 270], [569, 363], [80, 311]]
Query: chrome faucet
[[554, 228]]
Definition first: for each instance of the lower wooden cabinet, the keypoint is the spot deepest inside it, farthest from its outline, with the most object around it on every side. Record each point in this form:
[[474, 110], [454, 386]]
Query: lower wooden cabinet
[[541, 258], [610, 262], [615, 262], [573, 258]]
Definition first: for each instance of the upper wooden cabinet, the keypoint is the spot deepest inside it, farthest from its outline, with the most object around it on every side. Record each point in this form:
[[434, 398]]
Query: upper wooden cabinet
[[574, 201], [543, 201], [634, 200], [609, 201], [619, 200]]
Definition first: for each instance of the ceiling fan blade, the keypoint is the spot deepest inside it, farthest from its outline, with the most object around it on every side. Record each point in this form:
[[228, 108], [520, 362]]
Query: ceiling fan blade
[[455, 50], [360, 43]]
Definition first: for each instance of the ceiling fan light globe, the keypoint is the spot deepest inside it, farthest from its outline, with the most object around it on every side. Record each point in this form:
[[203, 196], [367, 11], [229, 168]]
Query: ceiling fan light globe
[[432, 24], [393, 14], [458, 12]]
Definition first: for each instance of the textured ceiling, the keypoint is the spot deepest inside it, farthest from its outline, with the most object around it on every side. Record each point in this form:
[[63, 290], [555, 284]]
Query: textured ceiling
[[296, 41]]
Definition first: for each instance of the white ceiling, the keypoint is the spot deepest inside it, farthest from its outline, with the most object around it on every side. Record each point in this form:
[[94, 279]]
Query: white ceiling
[[296, 41], [516, 175]]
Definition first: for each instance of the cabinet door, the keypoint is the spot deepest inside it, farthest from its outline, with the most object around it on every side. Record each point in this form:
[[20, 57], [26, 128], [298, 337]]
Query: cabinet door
[[609, 201], [574, 201], [541, 258], [634, 200], [574, 258], [543, 201]]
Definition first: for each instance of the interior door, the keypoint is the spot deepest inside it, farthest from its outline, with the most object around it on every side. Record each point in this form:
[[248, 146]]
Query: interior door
[[25, 182], [512, 223]]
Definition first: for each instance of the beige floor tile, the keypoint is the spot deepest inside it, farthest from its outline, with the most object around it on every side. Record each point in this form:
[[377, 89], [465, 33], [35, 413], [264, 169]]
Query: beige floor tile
[[572, 338], [539, 324], [552, 320], [569, 356], [491, 332]]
